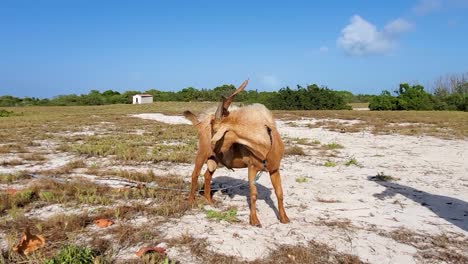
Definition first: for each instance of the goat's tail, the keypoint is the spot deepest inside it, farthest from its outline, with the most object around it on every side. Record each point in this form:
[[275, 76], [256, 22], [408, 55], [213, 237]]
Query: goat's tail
[[191, 117]]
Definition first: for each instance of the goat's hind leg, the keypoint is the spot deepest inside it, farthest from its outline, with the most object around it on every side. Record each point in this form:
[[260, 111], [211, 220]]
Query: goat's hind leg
[[276, 182], [253, 197], [211, 168], [199, 160]]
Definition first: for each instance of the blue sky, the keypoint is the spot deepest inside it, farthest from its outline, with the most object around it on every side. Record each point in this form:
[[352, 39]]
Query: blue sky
[[49, 48]]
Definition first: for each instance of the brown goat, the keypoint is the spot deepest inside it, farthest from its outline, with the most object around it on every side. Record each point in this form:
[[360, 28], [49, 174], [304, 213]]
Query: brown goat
[[243, 138]]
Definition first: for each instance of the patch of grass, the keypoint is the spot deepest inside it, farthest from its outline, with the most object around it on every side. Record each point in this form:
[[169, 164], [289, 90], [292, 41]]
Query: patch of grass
[[147, 176], [13, 148], [381, 176], [17, 200], [332, 145], [65, 169], [72, 254], [11, 162], [433, 248], [11, 178], [442, 124], [323, 200], [342, 224], [301, 179], [329, 163], [5, 113], [352, 161], [295, 150], [228, 216], [313, 252], [33, 157]]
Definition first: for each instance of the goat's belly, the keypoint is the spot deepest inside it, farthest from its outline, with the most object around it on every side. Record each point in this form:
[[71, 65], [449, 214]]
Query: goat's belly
[[235, 163]]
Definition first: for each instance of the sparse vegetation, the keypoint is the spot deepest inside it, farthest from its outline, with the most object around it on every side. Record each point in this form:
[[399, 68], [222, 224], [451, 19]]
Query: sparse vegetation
[[323, 200], [33, 142], [329, 163], [228, 216], [5, 113], [72, 254], [332, 145], [294, 150], [381, 176], [301, 179], [352, 161]]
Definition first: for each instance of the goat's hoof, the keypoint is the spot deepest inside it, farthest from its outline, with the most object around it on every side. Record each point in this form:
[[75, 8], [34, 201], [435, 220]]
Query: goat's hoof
[[255, 222], [209, 201], [191, 200], [284, 220]]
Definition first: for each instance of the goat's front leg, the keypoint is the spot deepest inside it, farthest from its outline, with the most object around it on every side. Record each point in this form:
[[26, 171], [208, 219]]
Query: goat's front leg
[[276, 182], [199, 161], [253, 197], [211, 168]]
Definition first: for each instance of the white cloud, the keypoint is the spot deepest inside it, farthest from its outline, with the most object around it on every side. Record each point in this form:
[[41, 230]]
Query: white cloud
[[323, 50], [270, 81], [397, 27], [360, 37], [424, 7]]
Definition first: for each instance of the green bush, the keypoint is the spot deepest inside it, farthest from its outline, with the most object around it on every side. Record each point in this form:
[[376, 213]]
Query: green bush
[[5, 113], [72, 254]]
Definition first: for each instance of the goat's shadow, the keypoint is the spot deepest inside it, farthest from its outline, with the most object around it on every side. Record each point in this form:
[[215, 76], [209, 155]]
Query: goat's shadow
[[451, 209], [263, 193]]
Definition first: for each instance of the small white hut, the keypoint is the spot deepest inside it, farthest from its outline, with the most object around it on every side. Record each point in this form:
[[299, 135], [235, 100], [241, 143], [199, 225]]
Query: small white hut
[[142, 99]]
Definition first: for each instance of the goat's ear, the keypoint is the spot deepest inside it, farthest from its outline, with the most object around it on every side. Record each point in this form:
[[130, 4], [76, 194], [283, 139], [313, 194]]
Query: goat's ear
[[218, 135], [226, 102], [191, 117], [220, 111]]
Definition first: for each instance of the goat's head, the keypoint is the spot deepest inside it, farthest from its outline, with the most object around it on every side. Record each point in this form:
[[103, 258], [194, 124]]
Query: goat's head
[[209, 125], [223, 106]]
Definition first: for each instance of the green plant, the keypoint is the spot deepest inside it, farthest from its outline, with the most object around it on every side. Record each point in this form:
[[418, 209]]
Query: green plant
[[72, 254], [228, 216], [333, 145], [47, 196], [301, 179], [329, 163], [5, 113], [383, 177], [352, 161]]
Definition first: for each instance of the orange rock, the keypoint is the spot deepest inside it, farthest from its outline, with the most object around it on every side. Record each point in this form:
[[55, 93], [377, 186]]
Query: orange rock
[[103, 222], [29, 243], [11, 191], [145, 250]]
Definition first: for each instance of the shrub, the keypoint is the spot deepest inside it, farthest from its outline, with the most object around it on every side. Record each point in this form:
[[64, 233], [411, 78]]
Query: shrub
[[72, 254]]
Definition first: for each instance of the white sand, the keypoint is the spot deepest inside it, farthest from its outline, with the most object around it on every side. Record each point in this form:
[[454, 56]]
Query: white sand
[[429, 197], [164, 118]]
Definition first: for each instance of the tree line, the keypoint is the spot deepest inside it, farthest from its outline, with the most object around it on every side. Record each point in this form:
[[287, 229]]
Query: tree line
[[300, 98], [449, 93]]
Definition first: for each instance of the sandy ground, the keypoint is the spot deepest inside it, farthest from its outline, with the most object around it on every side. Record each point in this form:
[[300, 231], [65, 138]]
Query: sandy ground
[[429, 197]]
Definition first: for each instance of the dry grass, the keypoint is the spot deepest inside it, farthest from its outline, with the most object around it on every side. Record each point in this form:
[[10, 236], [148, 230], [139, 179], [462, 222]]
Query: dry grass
[[323, 200], [434, 249], [108, 132], [294, 150], [12, 178], [442, 124], [33, 157], [11, 162], [313, 252], [13, 148], [65, 169], [359, 105]]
